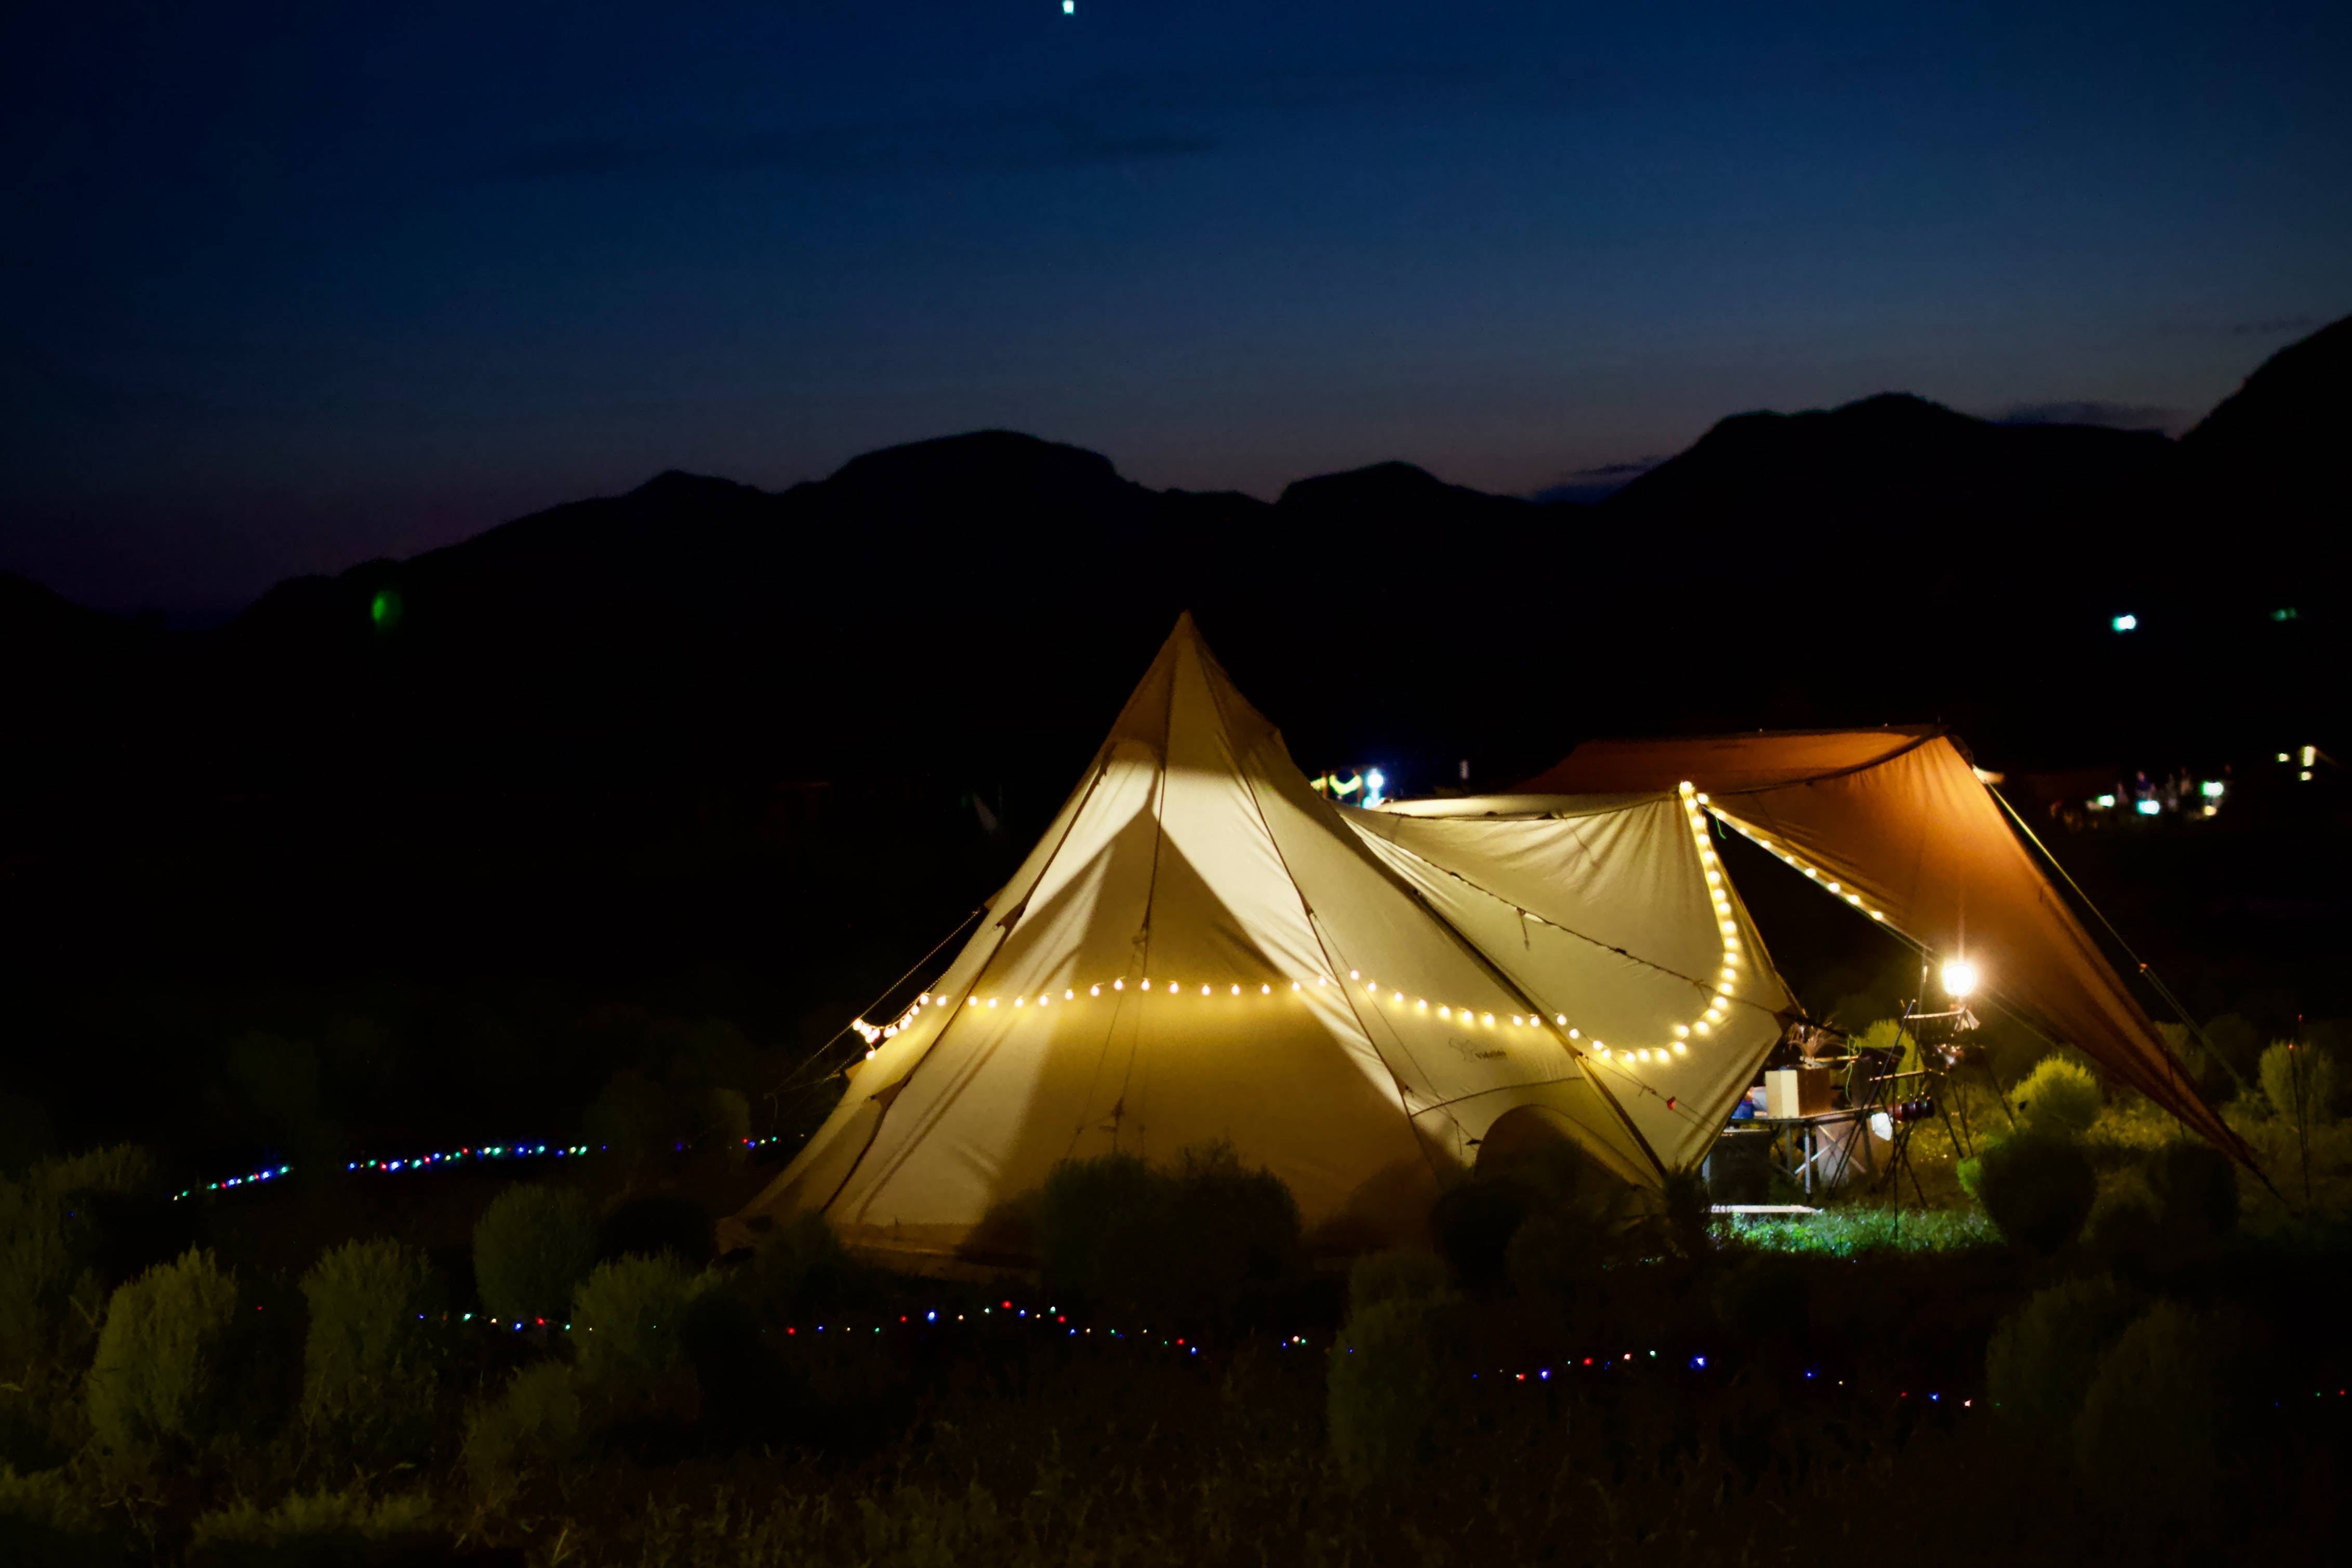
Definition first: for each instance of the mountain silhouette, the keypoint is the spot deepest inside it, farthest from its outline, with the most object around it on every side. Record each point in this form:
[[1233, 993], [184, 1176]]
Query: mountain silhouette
[[972, 606]]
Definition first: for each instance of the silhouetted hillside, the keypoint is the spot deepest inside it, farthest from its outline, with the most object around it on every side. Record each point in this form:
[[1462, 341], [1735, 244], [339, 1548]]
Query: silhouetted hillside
[[2280, 440], [971, 609]]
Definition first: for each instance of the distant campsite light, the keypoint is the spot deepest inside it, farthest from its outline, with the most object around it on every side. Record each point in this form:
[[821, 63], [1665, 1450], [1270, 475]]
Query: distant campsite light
[[2126, 622], [384, 609], [1959, 977], [1374, 782], [2211, 789], [2150, 808], [2104, 803], [2285, 612]]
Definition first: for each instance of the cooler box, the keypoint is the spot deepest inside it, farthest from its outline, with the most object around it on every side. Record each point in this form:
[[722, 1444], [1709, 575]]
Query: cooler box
[[1798, 1091]]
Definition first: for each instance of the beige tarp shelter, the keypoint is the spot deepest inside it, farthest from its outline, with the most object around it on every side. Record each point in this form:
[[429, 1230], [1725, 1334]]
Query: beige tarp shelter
[[1897, 824], [1201, 948]]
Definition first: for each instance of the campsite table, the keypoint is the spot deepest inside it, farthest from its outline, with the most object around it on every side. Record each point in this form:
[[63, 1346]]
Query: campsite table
[[1799, 1148]]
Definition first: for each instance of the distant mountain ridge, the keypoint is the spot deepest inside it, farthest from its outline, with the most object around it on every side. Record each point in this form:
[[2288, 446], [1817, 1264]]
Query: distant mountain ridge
[[1886, 559]]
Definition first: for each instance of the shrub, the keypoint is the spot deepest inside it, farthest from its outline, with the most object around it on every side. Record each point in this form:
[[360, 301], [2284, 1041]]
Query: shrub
[[2059, 1098], [626, 1318], [659, 1221], [2150, 1429], [159, 1380], [323, 1527], [367, 1369], [44, 1521], [803, 1267], [1473, 1222], [533, 1425], [1403, 1274], [1234, 1233], [50, 1237], [531, 1246], [1203, 1242], [1098, 1224], [1768, 1296], [1395, 1385], [44, 1498], [2044, 1354], [2037, 1189], [2299, 1083], [2196, 1191]]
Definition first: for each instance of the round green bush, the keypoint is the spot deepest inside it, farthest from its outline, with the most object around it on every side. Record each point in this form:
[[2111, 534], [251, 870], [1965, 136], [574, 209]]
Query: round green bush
[[367, 1366], [1473, 1222], [535, 1424], [531, 1246], [1397, 1379], [159, 1381], [803, 1267], [2037, 1189], [2060, 1098], [2299, 1082], [626, 1318], [1098, 1225], [2152, 1426], [1207, 1242], [1401, 1274], [2044, 1354]]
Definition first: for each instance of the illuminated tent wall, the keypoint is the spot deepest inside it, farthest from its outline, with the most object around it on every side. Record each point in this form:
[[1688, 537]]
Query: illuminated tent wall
[[1201, 948], [1896, 822]]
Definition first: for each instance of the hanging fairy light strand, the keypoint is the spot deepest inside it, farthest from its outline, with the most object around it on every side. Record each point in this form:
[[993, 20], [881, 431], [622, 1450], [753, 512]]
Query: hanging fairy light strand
[[1719, 987]]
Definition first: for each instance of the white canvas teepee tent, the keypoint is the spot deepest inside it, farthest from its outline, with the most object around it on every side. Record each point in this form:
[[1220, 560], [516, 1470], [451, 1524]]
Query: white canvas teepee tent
[[1201, 948]]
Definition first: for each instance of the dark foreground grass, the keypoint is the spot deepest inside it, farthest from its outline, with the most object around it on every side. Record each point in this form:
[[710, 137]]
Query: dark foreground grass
[[1134, 1459]]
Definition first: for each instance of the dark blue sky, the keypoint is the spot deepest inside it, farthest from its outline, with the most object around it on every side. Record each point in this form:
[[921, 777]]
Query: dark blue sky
[[285, 286]]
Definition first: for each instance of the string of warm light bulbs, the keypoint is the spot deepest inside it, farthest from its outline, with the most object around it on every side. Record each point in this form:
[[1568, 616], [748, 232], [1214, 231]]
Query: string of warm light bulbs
[[1780, 851], [1719, 987]]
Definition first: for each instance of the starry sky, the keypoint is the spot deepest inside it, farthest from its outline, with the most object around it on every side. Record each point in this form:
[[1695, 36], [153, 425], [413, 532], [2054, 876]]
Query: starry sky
[[286, 286]]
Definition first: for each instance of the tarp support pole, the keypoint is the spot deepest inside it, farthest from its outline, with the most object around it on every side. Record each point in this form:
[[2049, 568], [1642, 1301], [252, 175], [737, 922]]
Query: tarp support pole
[[2153, 980]]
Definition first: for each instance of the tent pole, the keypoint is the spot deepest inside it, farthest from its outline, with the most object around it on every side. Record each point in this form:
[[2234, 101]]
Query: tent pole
[[2153, 980]]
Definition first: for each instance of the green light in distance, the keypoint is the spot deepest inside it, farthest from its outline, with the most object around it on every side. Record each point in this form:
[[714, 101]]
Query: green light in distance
[[384, 609]]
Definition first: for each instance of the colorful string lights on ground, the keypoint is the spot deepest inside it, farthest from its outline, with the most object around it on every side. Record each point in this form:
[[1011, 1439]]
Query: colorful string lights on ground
[[441, 1160]]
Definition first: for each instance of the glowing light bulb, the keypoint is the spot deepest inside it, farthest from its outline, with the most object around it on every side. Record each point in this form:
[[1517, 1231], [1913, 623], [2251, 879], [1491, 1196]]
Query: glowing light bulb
[[1118, 985], [1487, 1019], [1702, 799], [1961, 977], [1205, 991], [1516, 1020], [1094, 990], [1446, 1012], [971, 1001], [1680, 1049], [1018, 1000], [992, 1001], [1397, 997], [926, 997], [1702, 1027], [1147, 985], [1420, 1003], [1560, 1017], [1574, 1034], [1353, 975], [1683, 1030], [1268, 990]]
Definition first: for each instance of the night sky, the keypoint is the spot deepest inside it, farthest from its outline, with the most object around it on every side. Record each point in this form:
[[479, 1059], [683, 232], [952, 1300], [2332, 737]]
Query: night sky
[[287, 286]]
